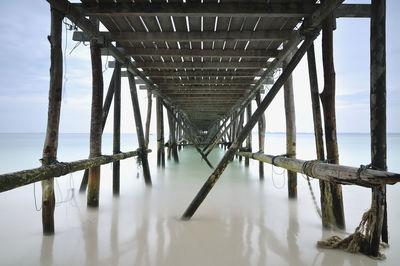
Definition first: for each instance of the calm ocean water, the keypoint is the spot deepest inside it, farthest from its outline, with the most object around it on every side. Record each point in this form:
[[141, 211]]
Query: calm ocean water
[[242, 222]]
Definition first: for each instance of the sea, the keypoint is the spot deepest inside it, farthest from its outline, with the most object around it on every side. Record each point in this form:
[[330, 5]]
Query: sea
[[243, 221]]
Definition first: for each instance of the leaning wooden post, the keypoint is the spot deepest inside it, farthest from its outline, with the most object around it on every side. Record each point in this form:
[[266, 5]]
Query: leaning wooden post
[[160, 133], [336, 217], [290, 130], [213, 178], [106, 109], [172, 140], [261, 136], [53, 119], [326, 208], [96, 121], [139, 130], [378, 119], [148, 118], [117, 127], [249, 137]]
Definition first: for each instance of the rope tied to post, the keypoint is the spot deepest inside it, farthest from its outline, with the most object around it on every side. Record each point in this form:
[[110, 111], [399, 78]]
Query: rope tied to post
[[366, 167]]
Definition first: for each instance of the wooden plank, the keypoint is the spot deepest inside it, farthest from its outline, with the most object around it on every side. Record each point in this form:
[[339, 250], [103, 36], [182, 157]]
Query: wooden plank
[[190, 83], [206, 53], [55, 169], [203, 65], [203, 73], [267, 35], [193, 9], [53, 119], [329, 172]]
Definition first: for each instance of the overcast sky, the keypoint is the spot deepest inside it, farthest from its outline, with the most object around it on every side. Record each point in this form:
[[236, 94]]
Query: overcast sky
[[24, 76]]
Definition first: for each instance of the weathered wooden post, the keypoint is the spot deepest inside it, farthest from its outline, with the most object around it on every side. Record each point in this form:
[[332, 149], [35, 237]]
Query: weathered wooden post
[[160, 133], [139, 130], [53, 119], [378, 119], [106, 109], [319, 141], [96, 120], [249, 137], [238, 130], [261, 135], [148, 117], [290, 130], [172, 140], [117, 127], [336, 216]]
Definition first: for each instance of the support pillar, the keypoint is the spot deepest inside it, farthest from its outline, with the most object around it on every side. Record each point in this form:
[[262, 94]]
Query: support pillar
[[160, 133], [249, 136], [261, 136], [96, 121], [333, 202], [378, 120], [53, 119], [117, 127], [173, 148], [139, 130], [148, 118], [290, 130]]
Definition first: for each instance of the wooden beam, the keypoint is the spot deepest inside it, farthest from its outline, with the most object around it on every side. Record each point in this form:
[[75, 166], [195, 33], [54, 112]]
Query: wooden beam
[[203, 65], [261, 136], [213, 178], [209, 93], [202, 73], [206, 53], [329, 172], [55, 169], [139, 130], [191, 83], [378, 120], [53, 120], [148, 118], [353, 11], [95, 122], [193, 36], [193, 9], [160, 133], [117, 128], [212, 88]]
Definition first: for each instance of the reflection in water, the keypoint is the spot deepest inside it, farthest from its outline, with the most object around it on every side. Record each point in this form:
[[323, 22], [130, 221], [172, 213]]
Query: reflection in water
[[46, 254]]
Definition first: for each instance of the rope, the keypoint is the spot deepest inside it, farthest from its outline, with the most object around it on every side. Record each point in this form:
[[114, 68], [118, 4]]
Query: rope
[[303, 169], [34, 197], [281, 174]]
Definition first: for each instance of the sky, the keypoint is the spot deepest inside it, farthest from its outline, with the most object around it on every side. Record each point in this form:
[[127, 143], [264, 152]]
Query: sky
[[25, 62]]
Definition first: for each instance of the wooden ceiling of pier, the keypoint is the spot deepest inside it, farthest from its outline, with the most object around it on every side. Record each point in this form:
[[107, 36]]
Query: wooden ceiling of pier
[[205, 56]]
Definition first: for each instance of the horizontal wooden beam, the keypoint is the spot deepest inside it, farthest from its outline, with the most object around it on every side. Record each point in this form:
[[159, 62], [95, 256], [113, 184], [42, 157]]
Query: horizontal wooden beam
[[169, 88], [203, 65], [227, 53], [190, 97], [203, 93], [202, 73], [193, 9], [328, 172], [353, 11], [22, 178], [192, 83], [281, 10], [193, 36]]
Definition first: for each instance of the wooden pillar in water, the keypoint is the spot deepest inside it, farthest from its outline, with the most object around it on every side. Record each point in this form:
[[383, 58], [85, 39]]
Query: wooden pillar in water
[[96, 121], [106, 109], [53, 119], [290, 130], [117, 127], [173, 148], [249, 137], [326, 209], [238, 130], [261, 135], [333, 200], [378, 120], [148, 117], [160, 133], [139, 130]]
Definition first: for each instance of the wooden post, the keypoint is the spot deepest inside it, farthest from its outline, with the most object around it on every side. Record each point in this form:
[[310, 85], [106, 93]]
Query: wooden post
[[378, 119], [160, 133], [261, 136], [326, 208], [53, 119], [173, 148], [96, 121], [335, 201], [117, 127], [239, 129], [213, 178], [290, 130], [106, 109], [249, 137], [139, 130], [148, 117]]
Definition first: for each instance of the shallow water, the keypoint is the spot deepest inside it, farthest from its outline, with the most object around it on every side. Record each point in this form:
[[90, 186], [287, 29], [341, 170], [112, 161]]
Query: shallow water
[[242, 222]]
